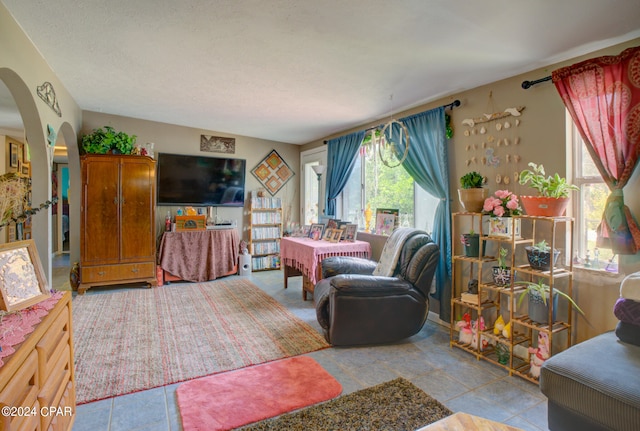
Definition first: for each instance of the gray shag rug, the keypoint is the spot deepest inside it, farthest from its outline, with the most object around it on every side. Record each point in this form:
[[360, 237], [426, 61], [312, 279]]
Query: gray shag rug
[[394, 405]]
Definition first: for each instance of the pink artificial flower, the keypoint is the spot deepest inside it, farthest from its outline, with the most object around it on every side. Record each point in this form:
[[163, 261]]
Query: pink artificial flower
[[498, 211], [502, 194], [513, 203]]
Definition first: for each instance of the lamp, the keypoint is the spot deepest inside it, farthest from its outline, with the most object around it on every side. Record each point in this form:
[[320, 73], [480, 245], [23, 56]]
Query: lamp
[[319, 170]]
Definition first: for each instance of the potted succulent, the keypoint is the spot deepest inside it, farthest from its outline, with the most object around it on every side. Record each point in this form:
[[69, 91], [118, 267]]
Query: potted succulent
[[471, 242], [538, 294], [553, 192], [502, 273], [539, 255], [107, 140], [472, 193]]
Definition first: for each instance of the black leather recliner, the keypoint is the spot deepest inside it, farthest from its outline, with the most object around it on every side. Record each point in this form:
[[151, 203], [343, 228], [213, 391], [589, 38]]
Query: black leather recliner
[[354, 307]]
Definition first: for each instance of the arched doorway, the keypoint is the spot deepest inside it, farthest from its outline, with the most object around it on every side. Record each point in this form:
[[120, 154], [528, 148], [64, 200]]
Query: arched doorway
[[17, 96]]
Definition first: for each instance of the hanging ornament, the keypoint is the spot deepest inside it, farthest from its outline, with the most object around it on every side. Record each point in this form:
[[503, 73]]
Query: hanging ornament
[[449, 132]]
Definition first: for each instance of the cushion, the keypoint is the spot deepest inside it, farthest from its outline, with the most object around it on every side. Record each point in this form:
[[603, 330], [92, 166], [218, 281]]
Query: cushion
[[627, 310], [628, 333], [630, 286], [598, 379]]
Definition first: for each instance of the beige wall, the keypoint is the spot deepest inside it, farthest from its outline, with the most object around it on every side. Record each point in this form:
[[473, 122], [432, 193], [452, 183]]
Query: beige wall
[[185, 140]]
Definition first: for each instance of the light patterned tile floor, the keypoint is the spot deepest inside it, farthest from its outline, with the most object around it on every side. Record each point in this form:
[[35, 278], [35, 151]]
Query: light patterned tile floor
[[450, 375]]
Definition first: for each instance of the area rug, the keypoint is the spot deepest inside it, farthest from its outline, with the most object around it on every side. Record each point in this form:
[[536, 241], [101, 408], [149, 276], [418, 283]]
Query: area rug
[[395, 405], [143, 338], [230, 400]]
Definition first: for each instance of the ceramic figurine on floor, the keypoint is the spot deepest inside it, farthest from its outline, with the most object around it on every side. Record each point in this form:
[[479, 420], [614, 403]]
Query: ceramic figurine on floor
[[466, 335], [539, 354], [498, 326]]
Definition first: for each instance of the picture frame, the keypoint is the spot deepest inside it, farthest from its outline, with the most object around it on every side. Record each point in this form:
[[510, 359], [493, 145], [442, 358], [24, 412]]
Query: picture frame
[[350, 232], [336, 235], [328, 234], [333, 223], [315, 231], [22, 280], [25, 169], [13, 155], [385, 223]]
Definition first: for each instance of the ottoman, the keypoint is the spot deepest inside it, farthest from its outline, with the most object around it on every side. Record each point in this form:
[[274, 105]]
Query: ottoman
[[594, 385]]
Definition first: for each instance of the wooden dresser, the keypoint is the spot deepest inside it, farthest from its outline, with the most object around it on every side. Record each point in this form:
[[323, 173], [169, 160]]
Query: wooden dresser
[[37, 382], [117, 234]]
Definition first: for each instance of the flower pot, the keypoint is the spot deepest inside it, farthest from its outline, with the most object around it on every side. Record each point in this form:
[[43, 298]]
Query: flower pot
[[471, 245], [544, 206], [472, 200], [504, 227], [541, 260], [539, 310], [501, 276]]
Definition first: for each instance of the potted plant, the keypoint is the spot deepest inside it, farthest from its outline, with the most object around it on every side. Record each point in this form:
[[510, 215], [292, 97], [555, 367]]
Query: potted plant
[[553, 192], [103, 141], [472, 194], [471, 243], [539, 255], [538, 294], [502, 273], [501, 207]]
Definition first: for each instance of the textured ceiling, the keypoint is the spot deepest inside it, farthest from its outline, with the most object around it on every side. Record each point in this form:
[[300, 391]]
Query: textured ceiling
[[299, 70]]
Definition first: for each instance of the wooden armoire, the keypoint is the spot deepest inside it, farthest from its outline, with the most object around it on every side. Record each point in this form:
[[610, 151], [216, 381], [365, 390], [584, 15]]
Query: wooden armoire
[[117, 237]]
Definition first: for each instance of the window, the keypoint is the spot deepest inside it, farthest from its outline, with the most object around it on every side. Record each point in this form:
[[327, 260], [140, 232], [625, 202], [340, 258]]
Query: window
[[374, 184], [588, 207]]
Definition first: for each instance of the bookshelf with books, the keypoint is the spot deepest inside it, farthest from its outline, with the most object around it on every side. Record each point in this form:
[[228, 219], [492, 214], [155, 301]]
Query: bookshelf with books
[[265, 231]]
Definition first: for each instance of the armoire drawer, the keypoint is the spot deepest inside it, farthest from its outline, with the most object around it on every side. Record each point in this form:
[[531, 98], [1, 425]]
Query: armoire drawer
[[125, 271]]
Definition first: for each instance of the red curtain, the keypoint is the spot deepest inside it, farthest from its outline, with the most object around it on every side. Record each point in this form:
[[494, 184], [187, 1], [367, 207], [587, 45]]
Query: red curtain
[[603, 98]]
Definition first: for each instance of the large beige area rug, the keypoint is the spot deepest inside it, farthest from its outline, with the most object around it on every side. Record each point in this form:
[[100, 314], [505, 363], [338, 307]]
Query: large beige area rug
[[144, 338]]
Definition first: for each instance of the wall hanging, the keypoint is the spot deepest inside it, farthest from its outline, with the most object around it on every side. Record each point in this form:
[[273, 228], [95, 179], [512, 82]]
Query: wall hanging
[[272, 172]]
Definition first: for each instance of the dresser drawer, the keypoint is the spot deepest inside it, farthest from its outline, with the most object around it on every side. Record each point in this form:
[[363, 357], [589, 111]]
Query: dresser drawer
[[21, 391], [125, 271], [52, 344], [54, 387], [65, 413]]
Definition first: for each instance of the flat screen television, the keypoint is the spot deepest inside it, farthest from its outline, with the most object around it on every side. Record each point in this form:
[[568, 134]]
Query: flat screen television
[[200, 181]]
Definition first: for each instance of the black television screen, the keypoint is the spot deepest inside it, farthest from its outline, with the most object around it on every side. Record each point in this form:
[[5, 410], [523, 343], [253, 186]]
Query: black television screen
[[200, 181]]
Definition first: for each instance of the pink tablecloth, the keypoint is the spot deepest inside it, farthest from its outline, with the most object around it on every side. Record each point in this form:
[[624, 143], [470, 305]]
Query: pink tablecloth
[[199, 255], [305, 254]]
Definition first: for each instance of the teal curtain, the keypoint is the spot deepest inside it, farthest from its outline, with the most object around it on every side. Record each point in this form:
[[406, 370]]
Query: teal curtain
[[341, 158], [428, 164]]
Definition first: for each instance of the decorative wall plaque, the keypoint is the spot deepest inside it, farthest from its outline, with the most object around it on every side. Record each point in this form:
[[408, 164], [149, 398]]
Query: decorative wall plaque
[[217, 144], [272, 172]]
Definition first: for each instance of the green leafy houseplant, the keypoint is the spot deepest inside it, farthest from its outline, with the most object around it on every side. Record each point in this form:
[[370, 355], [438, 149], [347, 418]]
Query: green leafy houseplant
[[553, 186], [471, 180], [541, 291], [471, 193], [502, 273], [103, 141]]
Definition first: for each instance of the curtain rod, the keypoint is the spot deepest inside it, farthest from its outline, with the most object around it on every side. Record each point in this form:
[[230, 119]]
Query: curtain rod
[[447, 106], [527, 84]]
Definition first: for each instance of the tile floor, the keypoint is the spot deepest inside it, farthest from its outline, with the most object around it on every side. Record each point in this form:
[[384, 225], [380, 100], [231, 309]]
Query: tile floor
[[449, 375]]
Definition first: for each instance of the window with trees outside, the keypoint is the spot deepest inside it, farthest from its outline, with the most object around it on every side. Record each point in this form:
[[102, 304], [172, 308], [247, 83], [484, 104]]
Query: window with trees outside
[[372, 184], [588, 208]]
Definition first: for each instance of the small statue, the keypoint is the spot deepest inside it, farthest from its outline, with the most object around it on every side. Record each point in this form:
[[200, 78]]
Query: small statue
[[367, 218], [472, 286], [74, 276], [539, 354]]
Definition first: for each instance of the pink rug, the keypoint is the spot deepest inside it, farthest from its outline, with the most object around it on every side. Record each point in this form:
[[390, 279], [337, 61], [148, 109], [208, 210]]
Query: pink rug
[[236, 398]]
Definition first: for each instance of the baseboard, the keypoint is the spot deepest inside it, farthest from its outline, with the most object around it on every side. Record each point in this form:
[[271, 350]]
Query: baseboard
[[435, 317]]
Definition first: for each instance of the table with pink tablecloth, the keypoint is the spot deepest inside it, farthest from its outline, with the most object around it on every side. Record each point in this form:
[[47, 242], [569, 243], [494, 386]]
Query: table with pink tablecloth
[[303, 256], [199, 255]]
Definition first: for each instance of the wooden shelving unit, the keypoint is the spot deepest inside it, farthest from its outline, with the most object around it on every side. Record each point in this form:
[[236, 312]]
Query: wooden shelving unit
[[265, 232], [503, 300]]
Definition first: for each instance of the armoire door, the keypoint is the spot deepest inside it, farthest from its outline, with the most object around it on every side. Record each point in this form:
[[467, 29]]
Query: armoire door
[[138, 191], [100, 211]]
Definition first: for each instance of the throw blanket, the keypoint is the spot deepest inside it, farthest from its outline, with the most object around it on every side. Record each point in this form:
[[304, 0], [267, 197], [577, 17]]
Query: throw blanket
[[627, 310], [630, 287], [391, 251], [628, 333]]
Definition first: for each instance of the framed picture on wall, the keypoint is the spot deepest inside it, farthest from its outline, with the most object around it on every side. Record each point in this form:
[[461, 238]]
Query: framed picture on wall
[[13, 155]]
